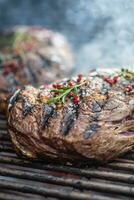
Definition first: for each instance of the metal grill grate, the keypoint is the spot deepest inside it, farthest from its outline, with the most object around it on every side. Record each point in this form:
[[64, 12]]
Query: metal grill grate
[[21, 179]]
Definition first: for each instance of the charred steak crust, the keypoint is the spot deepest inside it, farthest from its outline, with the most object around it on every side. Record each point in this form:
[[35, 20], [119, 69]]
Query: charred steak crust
[[69, 117], [48, 112], [31, 55], [100, 126]]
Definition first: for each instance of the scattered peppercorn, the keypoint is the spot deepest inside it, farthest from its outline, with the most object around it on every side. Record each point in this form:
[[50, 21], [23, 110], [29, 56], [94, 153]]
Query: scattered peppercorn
[[115, 79], [71, 83], [71, 94], [54, 85], [108, 80], [111, 81], [61, 93], [76, 100], [128, 88]]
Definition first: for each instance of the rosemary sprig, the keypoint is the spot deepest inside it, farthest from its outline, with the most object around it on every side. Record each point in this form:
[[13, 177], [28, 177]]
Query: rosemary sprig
[[125, 73], [64, 92]]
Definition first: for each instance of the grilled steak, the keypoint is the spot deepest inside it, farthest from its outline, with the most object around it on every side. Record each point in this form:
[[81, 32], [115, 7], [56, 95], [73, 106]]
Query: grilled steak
[[83, 118], [31, 55]]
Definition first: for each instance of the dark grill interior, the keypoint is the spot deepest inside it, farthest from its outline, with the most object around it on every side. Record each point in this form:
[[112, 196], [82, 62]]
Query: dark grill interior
[[21, 179]]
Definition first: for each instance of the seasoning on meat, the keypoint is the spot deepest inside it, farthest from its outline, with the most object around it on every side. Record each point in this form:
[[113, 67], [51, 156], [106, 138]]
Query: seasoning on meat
[[100, 127]]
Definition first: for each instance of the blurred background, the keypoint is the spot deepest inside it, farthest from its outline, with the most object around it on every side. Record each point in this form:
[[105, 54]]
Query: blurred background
[[101, 32]]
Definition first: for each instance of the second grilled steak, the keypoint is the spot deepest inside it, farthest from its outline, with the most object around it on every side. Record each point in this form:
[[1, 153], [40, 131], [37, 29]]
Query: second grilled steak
[[78, 119], [32, 55]]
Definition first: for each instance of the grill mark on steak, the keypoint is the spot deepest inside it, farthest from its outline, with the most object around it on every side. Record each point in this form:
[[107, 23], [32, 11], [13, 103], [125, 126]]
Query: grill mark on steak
[[93, 127], [86, 135], [27, 108], [46, 115], [46, 62], [71, 113], [96, 107], [95, 116]]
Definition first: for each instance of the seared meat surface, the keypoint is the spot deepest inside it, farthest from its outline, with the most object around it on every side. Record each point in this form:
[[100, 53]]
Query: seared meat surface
[[32, 55], [80, 119]]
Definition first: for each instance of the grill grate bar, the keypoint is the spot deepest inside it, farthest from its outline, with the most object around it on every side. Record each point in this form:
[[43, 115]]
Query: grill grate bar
[[76, 183], [3, 124], [122, 166], [4, 147], [61, 194], [11, 195], [128, 178], [90, 173], [22, 195], [2, 116], [4, 196], [5, 137]]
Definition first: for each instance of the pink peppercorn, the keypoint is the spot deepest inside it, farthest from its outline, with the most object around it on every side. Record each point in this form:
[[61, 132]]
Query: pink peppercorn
[[76, 100]]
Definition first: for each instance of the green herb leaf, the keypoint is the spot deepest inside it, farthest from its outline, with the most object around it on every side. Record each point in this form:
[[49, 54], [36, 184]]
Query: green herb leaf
[[126, 73], [64, 93], [75, 90], [64, 98], [58, 90]]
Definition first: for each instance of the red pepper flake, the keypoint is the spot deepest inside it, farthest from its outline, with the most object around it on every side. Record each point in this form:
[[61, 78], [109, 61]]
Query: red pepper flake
[[80, 76]]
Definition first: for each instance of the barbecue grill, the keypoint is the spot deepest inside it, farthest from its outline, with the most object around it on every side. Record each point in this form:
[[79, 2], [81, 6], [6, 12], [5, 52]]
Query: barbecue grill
[[22, 179]]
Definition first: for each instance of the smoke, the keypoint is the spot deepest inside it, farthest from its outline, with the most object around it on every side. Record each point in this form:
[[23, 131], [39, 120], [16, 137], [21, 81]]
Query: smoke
[[112, 44], [101, 32]]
